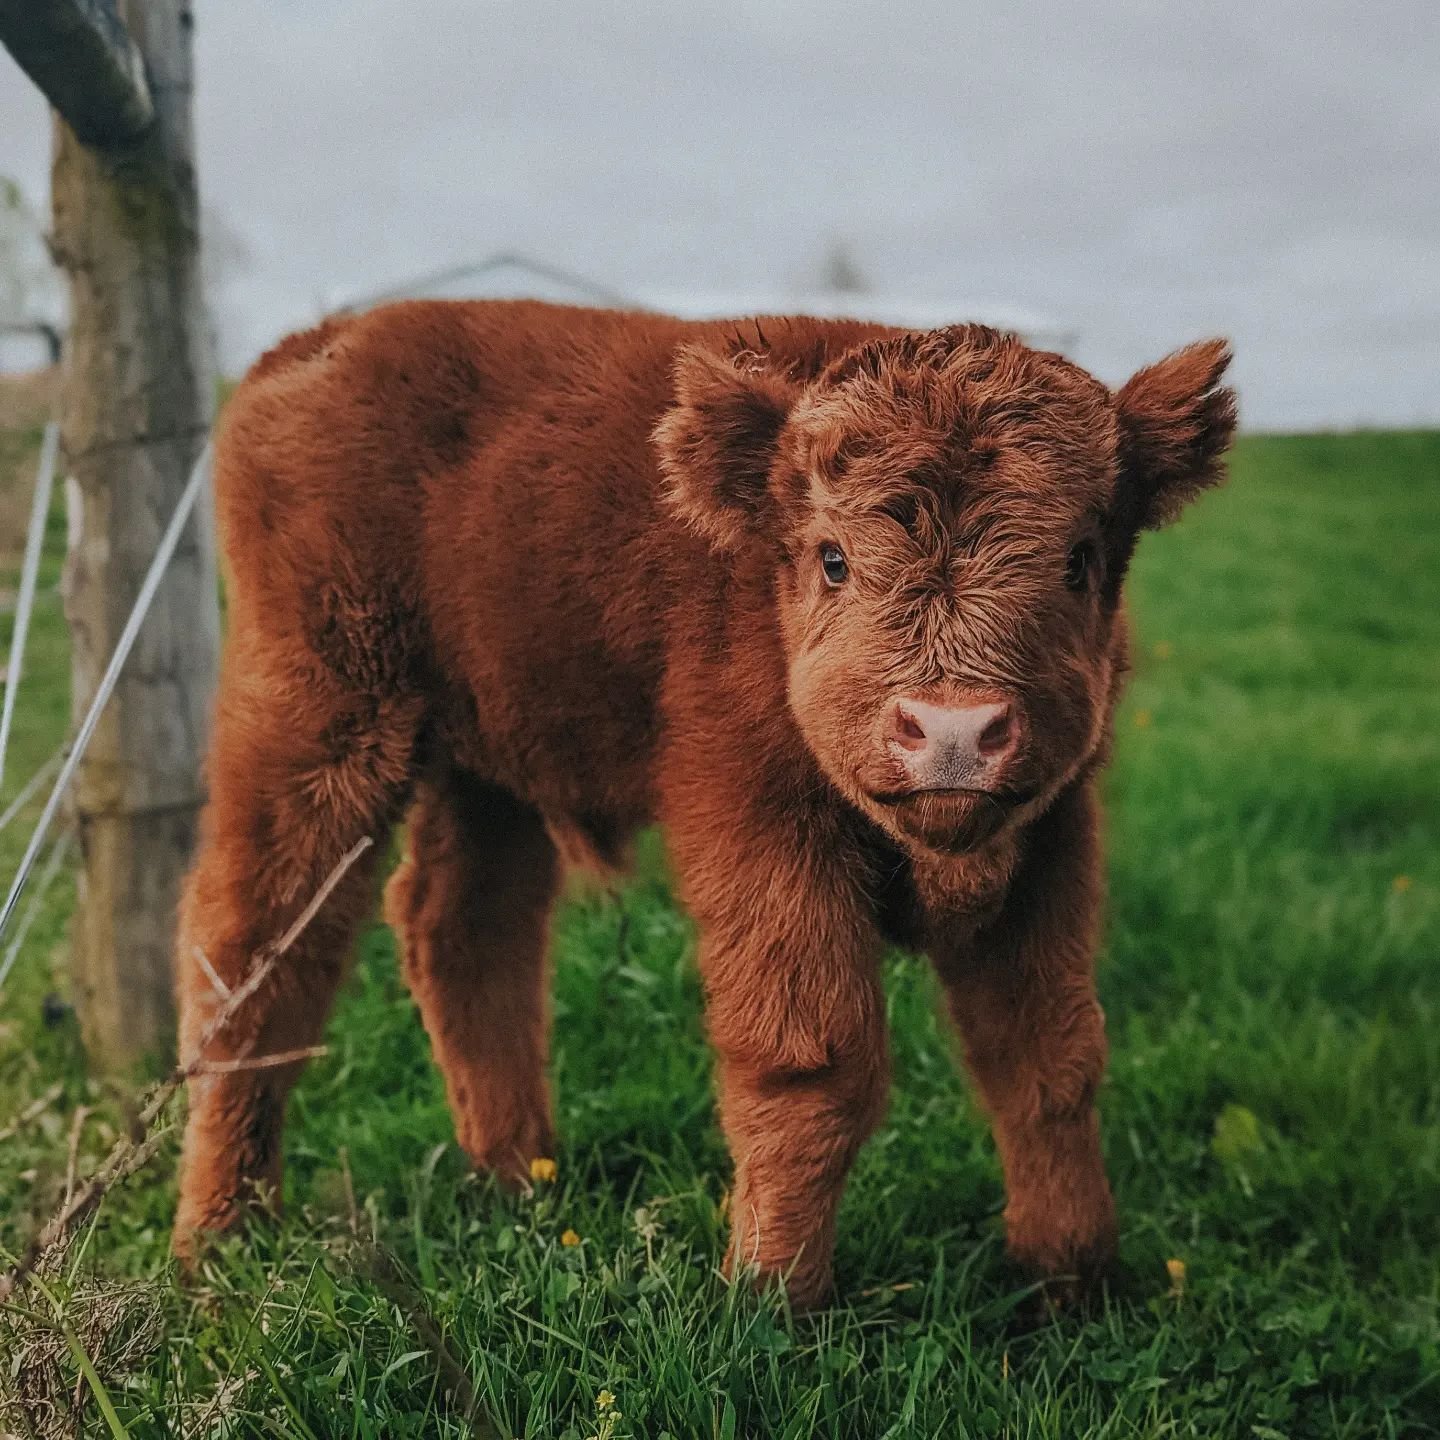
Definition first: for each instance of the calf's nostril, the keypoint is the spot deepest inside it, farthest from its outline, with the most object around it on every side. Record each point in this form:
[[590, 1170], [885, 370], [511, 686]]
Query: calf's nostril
[[998, 735], [908, 726]]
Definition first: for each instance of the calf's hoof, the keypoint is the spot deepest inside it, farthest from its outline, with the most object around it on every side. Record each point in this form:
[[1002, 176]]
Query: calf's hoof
[[517, 1162], [1070, 1272], [201, 1219], [805, 1287]]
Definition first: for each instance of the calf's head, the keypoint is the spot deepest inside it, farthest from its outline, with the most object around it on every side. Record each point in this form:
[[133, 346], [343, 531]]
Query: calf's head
[[949, 516]]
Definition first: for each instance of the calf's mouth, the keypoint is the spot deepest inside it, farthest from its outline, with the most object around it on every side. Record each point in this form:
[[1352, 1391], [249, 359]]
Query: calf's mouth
[[952, 821]]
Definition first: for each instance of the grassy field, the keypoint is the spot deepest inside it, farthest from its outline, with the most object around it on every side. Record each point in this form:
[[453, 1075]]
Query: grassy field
[[1272, 1114]]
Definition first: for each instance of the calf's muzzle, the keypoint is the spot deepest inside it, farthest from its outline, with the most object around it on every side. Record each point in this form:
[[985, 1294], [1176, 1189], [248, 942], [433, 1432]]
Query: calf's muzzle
[[966, 744]]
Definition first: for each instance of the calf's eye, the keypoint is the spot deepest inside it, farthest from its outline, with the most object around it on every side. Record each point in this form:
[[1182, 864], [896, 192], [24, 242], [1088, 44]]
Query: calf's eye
[[1078, 565], [832, 562]]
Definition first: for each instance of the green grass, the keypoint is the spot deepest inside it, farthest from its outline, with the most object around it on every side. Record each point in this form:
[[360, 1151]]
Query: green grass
[[1272, 1114]]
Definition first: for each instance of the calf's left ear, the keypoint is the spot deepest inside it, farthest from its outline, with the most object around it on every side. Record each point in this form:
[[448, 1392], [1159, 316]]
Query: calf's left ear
[[1176, 422], [717, 442]]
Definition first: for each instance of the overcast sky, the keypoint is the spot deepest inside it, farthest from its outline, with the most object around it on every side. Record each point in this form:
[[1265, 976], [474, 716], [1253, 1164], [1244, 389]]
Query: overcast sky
[[1143, 173]]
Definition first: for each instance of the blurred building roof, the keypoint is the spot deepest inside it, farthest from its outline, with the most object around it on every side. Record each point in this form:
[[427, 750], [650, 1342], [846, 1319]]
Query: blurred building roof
[[509, 276]]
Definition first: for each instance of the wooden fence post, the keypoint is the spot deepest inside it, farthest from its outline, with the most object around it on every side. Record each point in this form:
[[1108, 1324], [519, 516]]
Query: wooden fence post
[[137, 403]]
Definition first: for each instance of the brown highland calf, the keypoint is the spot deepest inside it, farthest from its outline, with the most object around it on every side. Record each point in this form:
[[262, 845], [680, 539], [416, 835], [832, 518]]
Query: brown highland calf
[[838, 605]]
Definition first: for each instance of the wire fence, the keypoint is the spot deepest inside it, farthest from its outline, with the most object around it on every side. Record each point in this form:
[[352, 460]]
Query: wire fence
[[29, 575], [68, 757]]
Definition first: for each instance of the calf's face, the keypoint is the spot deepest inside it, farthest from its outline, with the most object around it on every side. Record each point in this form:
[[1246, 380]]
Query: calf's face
[[950, 515]]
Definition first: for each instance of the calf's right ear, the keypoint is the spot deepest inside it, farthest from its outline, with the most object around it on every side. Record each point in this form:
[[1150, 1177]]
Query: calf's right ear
[[717, 442]]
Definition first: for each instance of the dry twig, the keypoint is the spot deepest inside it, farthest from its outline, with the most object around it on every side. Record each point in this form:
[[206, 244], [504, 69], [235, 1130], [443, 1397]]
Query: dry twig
[[261, 1062], [33, 1111], [77, 1124], [129, 1155]]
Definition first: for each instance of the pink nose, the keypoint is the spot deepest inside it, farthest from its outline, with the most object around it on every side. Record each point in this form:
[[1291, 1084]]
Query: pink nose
[[954, 747]]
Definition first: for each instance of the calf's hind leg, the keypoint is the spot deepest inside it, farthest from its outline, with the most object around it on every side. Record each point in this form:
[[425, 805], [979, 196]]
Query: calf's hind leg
[[299, 772], [471, 904]]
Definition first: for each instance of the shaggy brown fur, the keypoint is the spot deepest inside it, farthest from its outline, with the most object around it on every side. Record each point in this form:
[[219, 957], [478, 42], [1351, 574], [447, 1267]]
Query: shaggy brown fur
[[531, 577]]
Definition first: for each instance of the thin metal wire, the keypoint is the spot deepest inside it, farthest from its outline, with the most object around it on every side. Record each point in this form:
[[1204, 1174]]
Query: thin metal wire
[[161, 559], [32, 785], [56, 858], [29, 574]]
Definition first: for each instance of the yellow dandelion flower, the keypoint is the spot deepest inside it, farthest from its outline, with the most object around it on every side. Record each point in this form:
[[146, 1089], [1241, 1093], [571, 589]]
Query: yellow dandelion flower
[[570, 1239], [1176, 1271], [543, 1170], [1143, 719], [1401, 883], [1164, 650]]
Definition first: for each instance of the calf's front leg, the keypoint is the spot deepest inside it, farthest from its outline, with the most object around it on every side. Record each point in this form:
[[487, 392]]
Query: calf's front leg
[[798, 1027], [1021, 991], [790, 960]]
